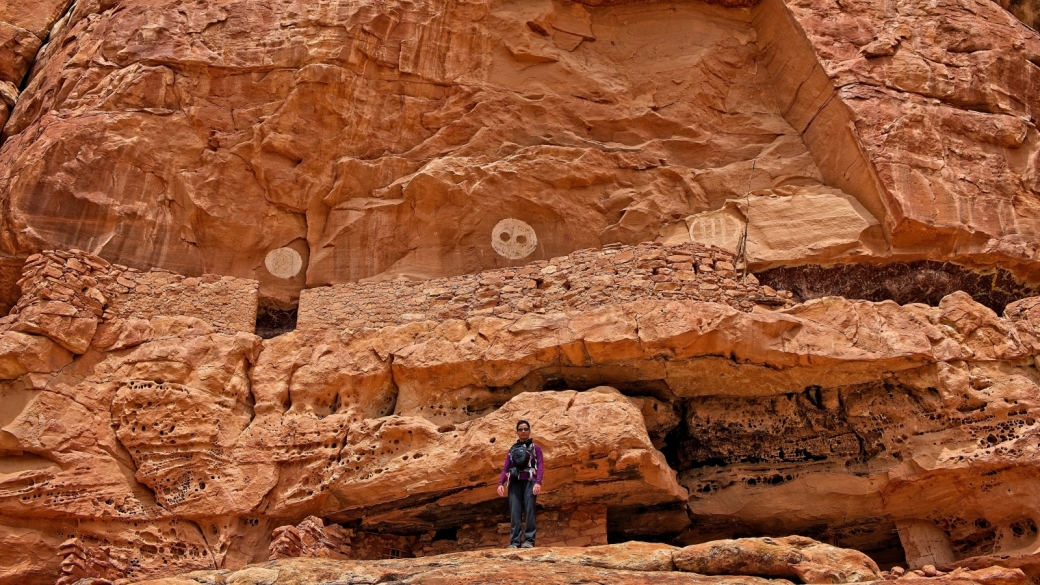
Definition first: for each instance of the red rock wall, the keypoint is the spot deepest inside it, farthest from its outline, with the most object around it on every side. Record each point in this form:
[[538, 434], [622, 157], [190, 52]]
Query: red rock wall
[[179, 447], [942, 101], [569, 126], [24, 27], [285, 146]]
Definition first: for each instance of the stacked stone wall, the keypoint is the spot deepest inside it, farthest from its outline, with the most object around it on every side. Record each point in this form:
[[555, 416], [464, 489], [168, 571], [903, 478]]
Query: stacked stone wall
[[582, 280], [81, 286]]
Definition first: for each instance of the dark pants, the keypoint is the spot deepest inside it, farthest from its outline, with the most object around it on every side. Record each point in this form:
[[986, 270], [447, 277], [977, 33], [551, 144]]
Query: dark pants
[[521, 501]]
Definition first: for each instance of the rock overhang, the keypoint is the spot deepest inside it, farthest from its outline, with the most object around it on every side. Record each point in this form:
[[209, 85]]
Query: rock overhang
[[397, 428]]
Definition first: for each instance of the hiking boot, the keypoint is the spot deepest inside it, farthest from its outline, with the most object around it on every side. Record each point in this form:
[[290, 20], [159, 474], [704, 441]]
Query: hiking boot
[[527, 545], [511, 545]]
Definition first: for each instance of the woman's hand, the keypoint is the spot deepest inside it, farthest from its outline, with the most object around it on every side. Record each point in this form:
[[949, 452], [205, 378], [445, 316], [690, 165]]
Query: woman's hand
[[502, 491], [537, 489]]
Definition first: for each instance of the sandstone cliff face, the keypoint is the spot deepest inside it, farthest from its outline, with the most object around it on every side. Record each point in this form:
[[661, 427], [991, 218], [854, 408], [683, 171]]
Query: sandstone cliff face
[[299, 144], [282, 276], [317, 128]]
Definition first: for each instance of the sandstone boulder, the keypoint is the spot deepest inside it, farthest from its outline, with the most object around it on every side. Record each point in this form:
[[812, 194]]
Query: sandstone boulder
[[61, 322], [1010, 568], [35, 16], [994, 575], [595, 444], [311, 539], [21, 353], [792, 557], [628, 556]]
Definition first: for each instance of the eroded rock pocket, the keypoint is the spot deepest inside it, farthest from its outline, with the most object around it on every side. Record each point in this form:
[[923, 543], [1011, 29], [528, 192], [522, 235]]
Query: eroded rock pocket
[[272, 322], [923, 281]]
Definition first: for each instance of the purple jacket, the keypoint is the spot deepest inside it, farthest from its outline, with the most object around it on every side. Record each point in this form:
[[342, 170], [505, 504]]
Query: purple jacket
[[539, 468]]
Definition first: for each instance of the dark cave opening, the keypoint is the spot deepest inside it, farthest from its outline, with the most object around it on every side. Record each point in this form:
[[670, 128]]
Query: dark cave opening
[[922, 281], [272, 322]]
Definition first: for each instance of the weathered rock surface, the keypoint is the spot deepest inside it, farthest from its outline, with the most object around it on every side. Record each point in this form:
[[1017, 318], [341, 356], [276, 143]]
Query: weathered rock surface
[[793, 557], [311, 539], [626, 563], [257, 139], [941, 102], [174, 445], [885, 151], [923, 281], [1028, 11], [24, 28], [621, 563], [991, 574], [566, 125], [460, 568]]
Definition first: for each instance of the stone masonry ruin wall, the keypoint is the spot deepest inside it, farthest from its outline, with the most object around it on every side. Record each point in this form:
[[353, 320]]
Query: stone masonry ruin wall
[[582, 280], [84, 287]]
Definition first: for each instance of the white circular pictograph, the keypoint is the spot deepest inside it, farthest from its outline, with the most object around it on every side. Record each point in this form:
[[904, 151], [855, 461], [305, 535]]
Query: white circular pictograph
[[283, 262], [513, 239]]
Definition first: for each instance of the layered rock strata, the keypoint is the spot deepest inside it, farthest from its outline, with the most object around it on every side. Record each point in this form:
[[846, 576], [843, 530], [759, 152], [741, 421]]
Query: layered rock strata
[[171, 444]]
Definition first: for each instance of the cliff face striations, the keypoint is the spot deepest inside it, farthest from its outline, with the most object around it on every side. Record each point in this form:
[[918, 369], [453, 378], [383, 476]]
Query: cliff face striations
[[301, 144]]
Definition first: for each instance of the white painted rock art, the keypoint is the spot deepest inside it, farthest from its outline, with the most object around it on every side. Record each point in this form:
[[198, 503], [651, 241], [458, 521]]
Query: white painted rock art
[[513, 239], [283, 262]]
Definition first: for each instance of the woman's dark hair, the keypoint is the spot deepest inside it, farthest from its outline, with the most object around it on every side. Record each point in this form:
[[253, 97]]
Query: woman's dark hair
[[522, 422]]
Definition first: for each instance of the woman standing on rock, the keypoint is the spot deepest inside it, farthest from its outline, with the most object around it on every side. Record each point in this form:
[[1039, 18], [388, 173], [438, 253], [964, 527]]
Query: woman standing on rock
[[522, 473]]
